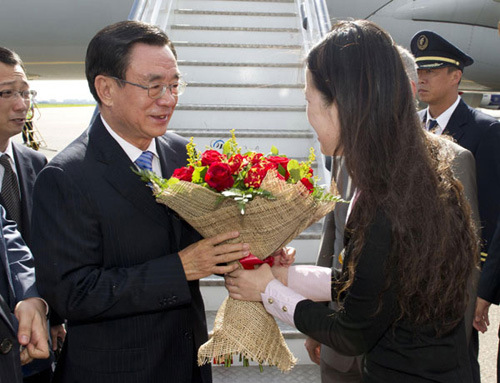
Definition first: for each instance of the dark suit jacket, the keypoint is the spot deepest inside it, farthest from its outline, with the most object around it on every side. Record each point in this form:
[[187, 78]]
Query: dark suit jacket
[[28, 164], [17, 282], [392, 354], [332, 239], [480, 134], [10, 363], [107, 260]]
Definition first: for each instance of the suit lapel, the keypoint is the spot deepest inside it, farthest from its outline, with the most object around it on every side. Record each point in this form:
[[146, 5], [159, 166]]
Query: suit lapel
[[26, 176], [170, 160], [457, 120], [118, 172], [5, 314]]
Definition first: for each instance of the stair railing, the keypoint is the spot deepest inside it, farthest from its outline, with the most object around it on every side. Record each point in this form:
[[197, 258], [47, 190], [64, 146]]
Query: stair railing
[[315, 21], [155, 12]]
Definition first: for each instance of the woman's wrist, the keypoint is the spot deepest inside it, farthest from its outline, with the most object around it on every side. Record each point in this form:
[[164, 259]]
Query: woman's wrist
[[281, 274]]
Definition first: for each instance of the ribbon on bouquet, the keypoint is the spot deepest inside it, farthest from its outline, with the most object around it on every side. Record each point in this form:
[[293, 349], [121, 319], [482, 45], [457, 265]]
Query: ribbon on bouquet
[[250, 261]]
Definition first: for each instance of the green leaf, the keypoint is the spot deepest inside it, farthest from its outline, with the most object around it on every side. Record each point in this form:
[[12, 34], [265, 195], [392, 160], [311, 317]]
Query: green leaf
[[274, 150], [172, 181], [293, 168], [199, 174], [281, 170], [227, 148]]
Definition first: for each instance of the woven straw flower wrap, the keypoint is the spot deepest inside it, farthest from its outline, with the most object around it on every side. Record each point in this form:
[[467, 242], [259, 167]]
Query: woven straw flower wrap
[[245, 327]]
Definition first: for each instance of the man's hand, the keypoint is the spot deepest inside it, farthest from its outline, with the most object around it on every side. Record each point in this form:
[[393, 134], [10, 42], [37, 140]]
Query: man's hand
[[481, 319], [57, 332], [314, 350], [208, 256], [32, 333]]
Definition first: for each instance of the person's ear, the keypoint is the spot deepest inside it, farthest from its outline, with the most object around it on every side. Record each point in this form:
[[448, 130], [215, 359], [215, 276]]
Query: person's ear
[[413, 88], [456, 76], [105, 87]]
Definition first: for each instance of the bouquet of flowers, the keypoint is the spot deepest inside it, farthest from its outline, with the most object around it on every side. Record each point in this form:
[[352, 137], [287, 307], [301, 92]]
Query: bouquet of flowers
[[269, 200]]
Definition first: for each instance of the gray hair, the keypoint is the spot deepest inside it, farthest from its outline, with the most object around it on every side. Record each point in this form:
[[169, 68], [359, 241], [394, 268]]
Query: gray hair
[[409, 63]]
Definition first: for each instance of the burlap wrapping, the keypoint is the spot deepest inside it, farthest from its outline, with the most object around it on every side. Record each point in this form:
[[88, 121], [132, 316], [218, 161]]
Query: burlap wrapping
[[245, 327]]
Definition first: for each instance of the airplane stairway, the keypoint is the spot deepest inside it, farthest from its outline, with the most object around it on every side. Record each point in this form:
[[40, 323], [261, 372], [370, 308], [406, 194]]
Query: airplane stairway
[[243, 62]]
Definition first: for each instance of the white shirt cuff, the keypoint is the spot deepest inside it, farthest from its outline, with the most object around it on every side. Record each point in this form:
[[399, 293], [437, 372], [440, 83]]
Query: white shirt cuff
[[280, 301], [313, 282]]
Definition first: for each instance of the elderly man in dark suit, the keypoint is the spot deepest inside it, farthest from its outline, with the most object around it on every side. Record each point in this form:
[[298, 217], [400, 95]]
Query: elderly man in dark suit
[[22, 312], [120, 267], [441, 66]]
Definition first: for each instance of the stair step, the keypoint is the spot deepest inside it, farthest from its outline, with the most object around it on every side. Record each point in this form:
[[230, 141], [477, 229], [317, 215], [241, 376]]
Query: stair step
[[234, 13], [239, 120], [184, 63], [235, 19], [237, 75], [246, 5], [277, 96], [277, 134], [244, 46], [242, 108], [186, 27], [231, 35], [252, 55], [301, 373]]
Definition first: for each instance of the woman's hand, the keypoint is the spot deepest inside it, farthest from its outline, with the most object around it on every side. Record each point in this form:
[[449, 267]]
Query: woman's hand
[[284, 257], [247, 285]]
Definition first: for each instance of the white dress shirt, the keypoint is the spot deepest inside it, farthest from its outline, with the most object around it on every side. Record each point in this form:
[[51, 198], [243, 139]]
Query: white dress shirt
[[133, 152], [443, 118]]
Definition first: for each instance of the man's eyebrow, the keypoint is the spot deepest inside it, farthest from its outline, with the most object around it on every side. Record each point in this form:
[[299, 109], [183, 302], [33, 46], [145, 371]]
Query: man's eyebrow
[[157, 77], [12, 82]]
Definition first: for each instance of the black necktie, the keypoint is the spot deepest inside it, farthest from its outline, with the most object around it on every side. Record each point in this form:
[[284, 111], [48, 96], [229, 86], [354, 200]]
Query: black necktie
[[433, 126], [10, 191]]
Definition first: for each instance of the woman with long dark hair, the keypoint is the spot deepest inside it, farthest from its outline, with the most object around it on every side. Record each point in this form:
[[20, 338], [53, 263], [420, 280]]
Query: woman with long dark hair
[[411, 245]]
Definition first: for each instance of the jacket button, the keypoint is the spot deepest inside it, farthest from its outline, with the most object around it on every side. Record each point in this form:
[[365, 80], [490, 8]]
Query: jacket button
[[6, 346], [163, 302]]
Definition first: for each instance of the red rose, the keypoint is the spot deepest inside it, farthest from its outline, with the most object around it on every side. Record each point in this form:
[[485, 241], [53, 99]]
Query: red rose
[[219, 176], [236, 162], [255, 158], [308, 184], [184, 174], [208, 157], [283, 161], [255, 176]]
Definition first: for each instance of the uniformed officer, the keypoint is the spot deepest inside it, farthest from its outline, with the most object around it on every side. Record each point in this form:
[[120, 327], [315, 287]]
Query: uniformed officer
[[440, 69]]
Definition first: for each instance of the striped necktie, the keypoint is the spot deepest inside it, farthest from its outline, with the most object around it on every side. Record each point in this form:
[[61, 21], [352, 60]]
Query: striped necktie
[[145, 161], [10, 191]]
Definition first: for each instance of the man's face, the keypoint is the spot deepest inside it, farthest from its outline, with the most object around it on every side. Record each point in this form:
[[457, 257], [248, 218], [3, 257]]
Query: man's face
[[436, 85], [13, 110], [135, 116]]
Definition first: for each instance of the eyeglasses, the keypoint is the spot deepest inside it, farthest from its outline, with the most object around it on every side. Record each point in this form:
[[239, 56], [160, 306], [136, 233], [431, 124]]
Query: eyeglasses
[[156, 91], [25, 94]]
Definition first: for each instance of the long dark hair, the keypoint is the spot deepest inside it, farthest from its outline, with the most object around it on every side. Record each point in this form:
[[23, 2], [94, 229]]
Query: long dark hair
[[401, 171]]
